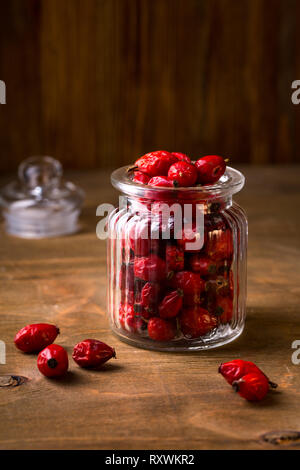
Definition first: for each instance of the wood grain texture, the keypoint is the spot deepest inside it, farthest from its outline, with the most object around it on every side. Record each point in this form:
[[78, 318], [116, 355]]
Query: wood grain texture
[[147, 400], [98, 83]]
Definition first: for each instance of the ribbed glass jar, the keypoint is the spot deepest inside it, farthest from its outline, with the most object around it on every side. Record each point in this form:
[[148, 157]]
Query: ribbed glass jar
[[177, 264]]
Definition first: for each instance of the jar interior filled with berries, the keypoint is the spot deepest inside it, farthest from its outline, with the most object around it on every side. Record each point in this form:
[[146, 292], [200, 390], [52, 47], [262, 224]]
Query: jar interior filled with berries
[[177, 259]]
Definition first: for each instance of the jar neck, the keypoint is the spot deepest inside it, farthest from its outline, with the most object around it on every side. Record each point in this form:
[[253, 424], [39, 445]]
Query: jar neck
[[144, 205]]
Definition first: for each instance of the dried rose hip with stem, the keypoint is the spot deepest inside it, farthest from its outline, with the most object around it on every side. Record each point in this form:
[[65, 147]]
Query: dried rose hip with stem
[[35, 337], [252, 387], [237, 368], [92, 353]]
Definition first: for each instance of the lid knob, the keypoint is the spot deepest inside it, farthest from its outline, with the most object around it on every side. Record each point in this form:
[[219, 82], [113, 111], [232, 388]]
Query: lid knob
[[40, 172]]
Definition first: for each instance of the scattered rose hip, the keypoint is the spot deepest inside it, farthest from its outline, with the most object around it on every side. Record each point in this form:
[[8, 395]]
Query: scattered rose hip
[[35, 337], [246, 379], [92, 353], [53, 361], [252, 387]]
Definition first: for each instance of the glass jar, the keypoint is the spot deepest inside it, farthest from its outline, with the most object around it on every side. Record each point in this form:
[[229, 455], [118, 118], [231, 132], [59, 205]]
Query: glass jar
[[177, 264]]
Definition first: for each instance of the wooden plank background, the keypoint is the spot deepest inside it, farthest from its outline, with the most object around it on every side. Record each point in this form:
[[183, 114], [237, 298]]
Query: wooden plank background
[[96, 83]]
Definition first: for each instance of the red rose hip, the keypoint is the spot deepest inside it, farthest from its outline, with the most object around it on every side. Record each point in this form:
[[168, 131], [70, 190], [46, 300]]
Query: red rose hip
[[92, 353], [182, 157], [160, 330], [53, 361], [150, 268], [149, 294], [183, 174], [210, 169], [252, 387], [160, 181], [140, 177], [156, 163], [234, 370], [35, 337], [202, 265], [171, 305], [196, 322], [190, 283]]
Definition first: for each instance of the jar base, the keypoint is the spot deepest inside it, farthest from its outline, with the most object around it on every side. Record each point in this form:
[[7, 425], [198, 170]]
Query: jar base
[[183, 345]]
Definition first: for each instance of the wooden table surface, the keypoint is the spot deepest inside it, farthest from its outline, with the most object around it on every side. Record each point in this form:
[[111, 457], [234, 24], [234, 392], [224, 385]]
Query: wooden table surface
[[148, 400]]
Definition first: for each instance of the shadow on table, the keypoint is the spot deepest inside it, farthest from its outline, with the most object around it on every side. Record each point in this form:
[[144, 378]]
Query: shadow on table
[[268, 330]]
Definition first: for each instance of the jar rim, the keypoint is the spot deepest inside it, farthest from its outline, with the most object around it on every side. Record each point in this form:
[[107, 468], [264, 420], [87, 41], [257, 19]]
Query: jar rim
[[230, 183]]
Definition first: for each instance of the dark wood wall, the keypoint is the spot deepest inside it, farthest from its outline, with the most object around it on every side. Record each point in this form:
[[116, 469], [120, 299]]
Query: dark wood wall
[[96, 83]]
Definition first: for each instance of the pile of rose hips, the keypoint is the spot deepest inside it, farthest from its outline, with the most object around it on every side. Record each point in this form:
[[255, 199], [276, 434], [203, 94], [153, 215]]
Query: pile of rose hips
[[168, 289], [53, 359], [246, 379], [176, 169]]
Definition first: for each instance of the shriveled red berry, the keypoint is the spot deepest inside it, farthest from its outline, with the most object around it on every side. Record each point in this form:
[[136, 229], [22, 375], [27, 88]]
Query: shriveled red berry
[[92, 353], [35, 337], [219, 244], [149, 295], [150, 268], [53, 361], [210, 169], [140, 177], [190, 283], [197, 321], [171, 305], [183, 174], [156, 163], [160, 181], [129, 320], [174, 258], [160, 329], [252, 387], [237, 368], [182, 157], [203, 265]]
